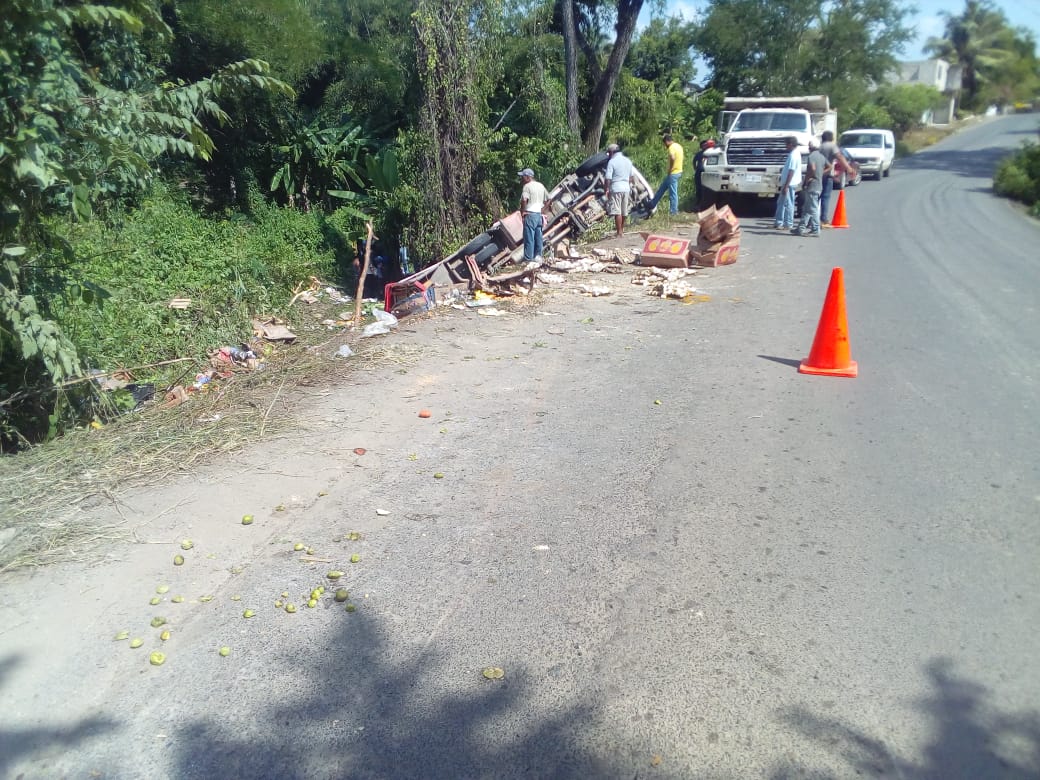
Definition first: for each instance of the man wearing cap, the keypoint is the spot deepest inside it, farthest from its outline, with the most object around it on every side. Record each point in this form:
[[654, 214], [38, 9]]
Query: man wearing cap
[[816, 170], [619, 174], [790, 179], [532, 200]]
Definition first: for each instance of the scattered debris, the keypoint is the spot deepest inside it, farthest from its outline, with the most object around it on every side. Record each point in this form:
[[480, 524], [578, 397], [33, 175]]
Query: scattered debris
[[344, 351], [595, 290], [179, 303], [385, 322], [273, 329]]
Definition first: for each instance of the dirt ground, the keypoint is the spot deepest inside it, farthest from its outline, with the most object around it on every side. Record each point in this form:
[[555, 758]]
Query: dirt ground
[[59, 664]]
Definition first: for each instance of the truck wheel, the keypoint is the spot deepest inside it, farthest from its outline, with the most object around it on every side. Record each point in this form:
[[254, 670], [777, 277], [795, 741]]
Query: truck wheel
[[475, 245], [888, 171], [593, 164], [485, 254]]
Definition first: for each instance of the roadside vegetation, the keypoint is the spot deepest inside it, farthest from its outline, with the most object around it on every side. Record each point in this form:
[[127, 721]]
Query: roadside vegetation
[[1018, 177], [226, 154]]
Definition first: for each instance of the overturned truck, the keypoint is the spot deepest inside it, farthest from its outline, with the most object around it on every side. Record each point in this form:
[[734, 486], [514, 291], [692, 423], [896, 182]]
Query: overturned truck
[[573, 206]]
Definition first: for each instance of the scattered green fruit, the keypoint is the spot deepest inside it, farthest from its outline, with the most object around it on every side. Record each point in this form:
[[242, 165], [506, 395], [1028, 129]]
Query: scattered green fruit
[[162, 589], [154, 600], [205, 598], [121, 636], [290, 608], [278, 604], [310, 551], [247, 519], [354, 536], [236, 597], [178, 560], [280, 508], [136, 642], [657, 402], [285, 594], [187, 544], [312, 603], [237, 569], [438, 475], [335, 574], [225, 651], [297, 547], [351, 608], [322, 493], [355, 558], [164, 635], [157, 658], [493, 673], [342, 595], [158, 620], [177, 599], [248, 613]]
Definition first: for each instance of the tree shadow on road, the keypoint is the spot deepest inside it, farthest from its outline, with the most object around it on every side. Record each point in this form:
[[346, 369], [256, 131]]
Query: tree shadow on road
[[976, 164], [18, 743], [972, 739], [368, 712]]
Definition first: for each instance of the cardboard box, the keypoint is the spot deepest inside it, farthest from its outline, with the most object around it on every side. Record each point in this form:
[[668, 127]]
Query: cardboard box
[[665, 252], [704, 244], [718, 224], [723, 253]]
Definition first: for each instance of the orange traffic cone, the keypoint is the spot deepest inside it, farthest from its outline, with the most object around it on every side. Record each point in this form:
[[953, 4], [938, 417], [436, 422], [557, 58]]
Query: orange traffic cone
[[840, 220], [830, 354]]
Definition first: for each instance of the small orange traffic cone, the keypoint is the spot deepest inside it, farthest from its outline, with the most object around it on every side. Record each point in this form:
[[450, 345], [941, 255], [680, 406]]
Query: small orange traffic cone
[[830, 354], [840, 220]]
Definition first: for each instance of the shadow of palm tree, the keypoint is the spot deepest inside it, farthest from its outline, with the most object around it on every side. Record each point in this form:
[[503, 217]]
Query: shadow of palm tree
[[368, 714], [16, 743], [972, 739]]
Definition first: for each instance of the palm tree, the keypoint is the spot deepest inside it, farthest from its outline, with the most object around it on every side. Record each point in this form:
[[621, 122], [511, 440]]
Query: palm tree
[[976, 40]]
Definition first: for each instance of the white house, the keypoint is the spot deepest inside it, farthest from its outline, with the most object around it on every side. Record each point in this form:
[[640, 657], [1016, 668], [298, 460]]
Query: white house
[[933, 73]]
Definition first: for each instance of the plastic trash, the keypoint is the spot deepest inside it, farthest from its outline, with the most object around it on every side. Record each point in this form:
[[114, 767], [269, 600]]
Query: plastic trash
[[344, 351], [385, 316], [385, 322]]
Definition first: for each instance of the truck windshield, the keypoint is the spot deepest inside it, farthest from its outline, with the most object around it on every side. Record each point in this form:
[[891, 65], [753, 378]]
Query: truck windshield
[[862, 139], [771, 120]]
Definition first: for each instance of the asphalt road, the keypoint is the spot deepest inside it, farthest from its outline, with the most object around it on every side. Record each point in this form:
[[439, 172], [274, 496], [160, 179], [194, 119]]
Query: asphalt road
[[765, 575]]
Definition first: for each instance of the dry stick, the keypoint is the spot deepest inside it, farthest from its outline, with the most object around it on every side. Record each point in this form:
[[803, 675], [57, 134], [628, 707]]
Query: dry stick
[[263, 425], [362, 275], [122, 370]]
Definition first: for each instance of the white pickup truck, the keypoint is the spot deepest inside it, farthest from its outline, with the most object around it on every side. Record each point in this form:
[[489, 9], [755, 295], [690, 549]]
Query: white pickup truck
[[753, 149], [873, 149]]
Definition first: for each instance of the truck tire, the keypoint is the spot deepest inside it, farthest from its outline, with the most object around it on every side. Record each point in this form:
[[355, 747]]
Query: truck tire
[[596, 162], [485, 254], [888, 171], [476, 245]]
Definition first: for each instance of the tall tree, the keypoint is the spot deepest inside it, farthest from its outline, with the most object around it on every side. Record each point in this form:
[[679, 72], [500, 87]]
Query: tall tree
[[579, 35], [448, 146], [976, 39], [661, 52]]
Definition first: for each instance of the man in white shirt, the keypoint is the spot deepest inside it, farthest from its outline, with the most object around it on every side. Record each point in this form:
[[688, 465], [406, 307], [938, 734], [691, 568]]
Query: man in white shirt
[[619, 174], [790, 178], [532, 200]]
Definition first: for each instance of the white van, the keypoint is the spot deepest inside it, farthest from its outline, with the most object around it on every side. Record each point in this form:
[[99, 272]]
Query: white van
[[874, 150]]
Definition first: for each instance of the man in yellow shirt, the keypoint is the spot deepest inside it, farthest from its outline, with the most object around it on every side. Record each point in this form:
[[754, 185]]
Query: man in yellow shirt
[[671, 179]]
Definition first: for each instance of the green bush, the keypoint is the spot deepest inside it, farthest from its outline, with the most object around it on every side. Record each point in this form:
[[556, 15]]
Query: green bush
[[1018, 177], [231, 267]]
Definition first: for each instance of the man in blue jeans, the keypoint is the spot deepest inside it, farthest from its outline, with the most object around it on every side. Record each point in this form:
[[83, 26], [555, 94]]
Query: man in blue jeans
[[670, 184], [790, 178], [532, 200]]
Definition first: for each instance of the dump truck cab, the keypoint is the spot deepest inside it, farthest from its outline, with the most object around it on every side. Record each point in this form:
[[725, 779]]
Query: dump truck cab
[[754, 143]]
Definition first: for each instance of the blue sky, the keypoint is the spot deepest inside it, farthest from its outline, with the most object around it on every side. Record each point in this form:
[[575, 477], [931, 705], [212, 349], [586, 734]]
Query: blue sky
[[926, 21]]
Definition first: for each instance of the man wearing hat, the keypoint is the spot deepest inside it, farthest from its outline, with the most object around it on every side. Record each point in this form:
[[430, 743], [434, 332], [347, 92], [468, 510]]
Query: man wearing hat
[[619, 174], [532, 200]]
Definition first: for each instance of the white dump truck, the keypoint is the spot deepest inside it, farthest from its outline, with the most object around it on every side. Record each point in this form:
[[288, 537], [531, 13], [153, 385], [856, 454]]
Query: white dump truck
[[752, 151]]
